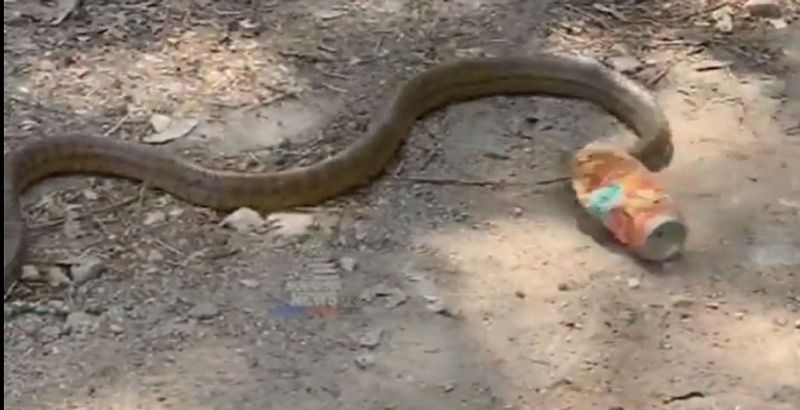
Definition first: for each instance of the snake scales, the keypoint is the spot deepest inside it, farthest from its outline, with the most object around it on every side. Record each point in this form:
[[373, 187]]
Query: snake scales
[[561, 75]]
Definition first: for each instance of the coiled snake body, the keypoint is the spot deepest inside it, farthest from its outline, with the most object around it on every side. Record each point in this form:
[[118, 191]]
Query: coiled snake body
[[562, 75]]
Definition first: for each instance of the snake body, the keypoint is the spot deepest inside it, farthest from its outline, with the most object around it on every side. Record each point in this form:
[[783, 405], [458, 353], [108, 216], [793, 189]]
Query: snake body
[[560, 75]]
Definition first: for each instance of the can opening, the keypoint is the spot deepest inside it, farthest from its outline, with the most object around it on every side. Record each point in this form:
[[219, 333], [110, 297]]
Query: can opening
[[666, 239]]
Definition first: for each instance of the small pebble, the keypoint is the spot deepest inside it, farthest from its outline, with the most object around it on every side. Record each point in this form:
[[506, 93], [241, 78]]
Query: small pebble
[[155, 256], [57, 278], [797, 324], [87, 269], [292, 224], [739, 315], [396, 298], [79, 321], [154, 217], [30, 274], [49, 334], [634, 283], [365, 360], [250, 283], [435, 305], [625, 64], [175, 212], [348, 264], [712, 305], [520, 294], [115, 328], [204, 311], [723, 19], [681, 301], [371, 339], [243, 220], [781, 321]]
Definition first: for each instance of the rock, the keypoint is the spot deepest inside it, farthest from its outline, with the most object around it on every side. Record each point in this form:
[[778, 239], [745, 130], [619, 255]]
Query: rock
[[764, 8], [115, 328], [396, 298], [520, 294], [250, 283], [348, 264], [778, 24], [371, 339], [175, 212], [30, 274], [797, 324], [435, 304], [49, 334], [365, 360], [625, 64], [291, 224], [723, 19], [168, 129], [78, 322], [56, 277], [86, 269], [154, 217], [369, 294], [781, 321], [634, 283], [58, 307], [739, 315], [204, 311], [244, 220], [155, 256], [681, 301]]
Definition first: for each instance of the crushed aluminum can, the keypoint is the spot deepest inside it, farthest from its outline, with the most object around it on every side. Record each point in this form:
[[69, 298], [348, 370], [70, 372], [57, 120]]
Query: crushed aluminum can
[[617, 189]]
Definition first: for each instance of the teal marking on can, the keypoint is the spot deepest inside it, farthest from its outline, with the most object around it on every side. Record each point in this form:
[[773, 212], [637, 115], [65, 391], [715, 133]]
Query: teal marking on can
[[603, 200]]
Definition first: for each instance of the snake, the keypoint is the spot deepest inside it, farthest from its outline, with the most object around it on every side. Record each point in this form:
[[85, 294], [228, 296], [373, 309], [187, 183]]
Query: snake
[[556, 74]]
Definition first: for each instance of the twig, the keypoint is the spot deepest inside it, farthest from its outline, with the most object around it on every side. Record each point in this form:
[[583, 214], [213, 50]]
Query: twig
[[709, 9], [111, 207], [597, 20], [118, 125], [659, 75], [481, 183], [611, 12], [170, 248], [712, 66]]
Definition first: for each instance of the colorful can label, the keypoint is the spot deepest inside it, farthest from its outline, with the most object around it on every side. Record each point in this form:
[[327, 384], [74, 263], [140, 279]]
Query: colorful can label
[[618, 190]]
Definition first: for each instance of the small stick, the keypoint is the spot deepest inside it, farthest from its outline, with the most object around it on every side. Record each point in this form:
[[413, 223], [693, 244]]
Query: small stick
[[118, 125], [59, 221]]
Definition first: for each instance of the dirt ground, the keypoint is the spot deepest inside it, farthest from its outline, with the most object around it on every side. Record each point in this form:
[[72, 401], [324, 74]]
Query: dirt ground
[[451, 295]]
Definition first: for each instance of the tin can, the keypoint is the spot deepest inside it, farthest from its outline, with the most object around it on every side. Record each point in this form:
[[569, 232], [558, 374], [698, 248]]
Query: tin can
[[617, 189]]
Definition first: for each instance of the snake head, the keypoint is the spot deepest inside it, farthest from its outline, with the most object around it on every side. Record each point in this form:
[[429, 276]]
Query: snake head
[[656, 154]]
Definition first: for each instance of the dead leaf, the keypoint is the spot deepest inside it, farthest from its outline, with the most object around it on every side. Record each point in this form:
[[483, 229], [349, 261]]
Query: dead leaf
[[169, 129], [63, 10]]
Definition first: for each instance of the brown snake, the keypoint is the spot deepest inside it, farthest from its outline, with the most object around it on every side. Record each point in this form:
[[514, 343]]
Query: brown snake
[[560, 75]]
